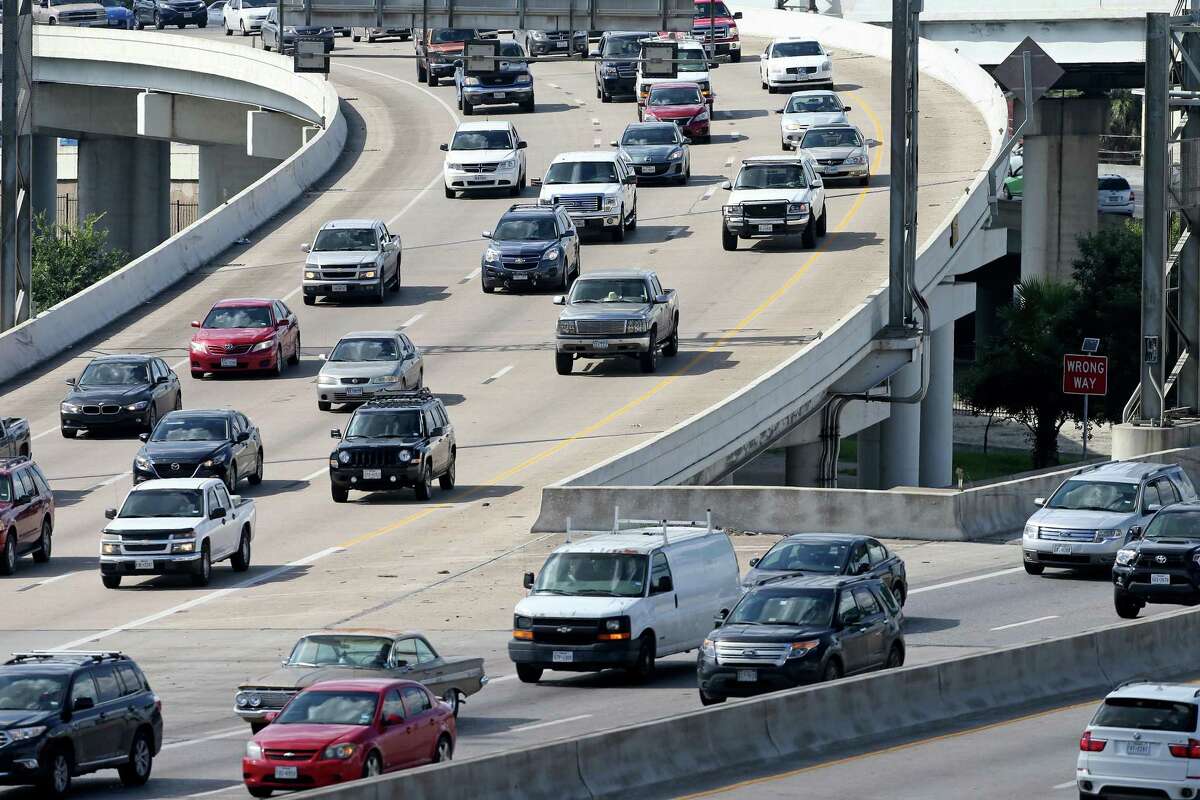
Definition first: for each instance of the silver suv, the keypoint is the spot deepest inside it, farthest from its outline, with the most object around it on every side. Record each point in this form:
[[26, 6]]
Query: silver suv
[[1088, 518]]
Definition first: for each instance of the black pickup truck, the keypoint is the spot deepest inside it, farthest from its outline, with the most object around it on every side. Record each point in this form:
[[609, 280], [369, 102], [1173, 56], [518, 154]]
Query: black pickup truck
[[1162, 564], [14, 437]]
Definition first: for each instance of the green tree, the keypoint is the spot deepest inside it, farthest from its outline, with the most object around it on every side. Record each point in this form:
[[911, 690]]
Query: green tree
[[68, 260], [1020, 372]]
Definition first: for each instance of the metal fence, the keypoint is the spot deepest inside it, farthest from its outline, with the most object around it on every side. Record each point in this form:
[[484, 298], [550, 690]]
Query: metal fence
[[182, 214]]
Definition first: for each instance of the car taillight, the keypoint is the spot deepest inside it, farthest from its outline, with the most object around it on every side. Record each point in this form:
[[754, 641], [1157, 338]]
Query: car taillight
[[1189, 750], [1131, 195], [1088, 744]]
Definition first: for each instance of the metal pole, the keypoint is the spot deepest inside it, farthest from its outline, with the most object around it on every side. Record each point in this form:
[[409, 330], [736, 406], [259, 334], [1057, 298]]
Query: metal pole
[[1085, 427], [16, 163], [307, 16], [902, 227], [1154, 228], [1188, 386]]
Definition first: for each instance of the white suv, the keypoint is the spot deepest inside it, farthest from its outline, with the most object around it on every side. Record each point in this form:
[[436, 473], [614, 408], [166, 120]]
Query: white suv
[[1144, 742], [484, 155], [794, 64], [774, 196], [598, 190]]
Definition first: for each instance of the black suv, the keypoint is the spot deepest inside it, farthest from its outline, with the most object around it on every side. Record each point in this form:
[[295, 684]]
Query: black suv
[[830, 554], [390, 444], [616, 67], [1161, 564], [68, 713], [791, 631]]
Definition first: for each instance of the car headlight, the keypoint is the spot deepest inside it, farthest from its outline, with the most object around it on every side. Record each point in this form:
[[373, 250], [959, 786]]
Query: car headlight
[[1196, 558], [343, 457], [708, 649], [793, 126], [470, 80], [610, 202], [183, 547], [524, 77], [491, 256], [1126, 556], [198, 346], [854, 160], [798, 209], [566, 326], [701, 117], [801, 649], [552, 254], [731, 211], [265, 344], [386, 379], [110, 548], [141, 462], [507, 164], [676, 154], [637, 325], [539, 35], [253, 751], [21, 734], [545, 201], [255, 701], [340, 752], [705, 88], [1109, 533], [453, 166], [405, 456], [608, 71], [138, 406], [240, 700], [1031, 531], [69, 408], [310, 275], [523, 623], [369, 274], [326, 380]]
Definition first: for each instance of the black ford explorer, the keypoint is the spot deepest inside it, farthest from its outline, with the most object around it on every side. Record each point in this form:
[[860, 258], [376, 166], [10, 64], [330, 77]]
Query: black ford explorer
[[1162, 564], [791, 631], [68, 713], [404, 441]]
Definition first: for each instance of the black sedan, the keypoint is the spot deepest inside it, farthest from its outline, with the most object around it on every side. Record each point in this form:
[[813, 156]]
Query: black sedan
[[656, 150], [130, 391], [201, 444], [830, 554]]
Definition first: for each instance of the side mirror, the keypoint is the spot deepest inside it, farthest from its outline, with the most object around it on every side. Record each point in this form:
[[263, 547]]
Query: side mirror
[[713, 65], [727, 186], [535, 181], [737, 15], [195, 323], [323, 356], [662, 299], [396, 238], [862, 569], [217, 513], [283, 323], [614, 143], [110, 513], [779, 111], [70, 381], [486, 234], [444, 147], [438, 431], [161, 379], [816, 185], [629, 180], [665, 584], [754, 562], [720, 617], [1152, 508], [1135, 531], [244, 436], [145, 437], [83, 704], [304, 248], [845, 108], [394, 719], [1039, 501], [400, 663], [560, 300], [335, 433], [270, 716], [686, 140], [527, 580], [521, 145]]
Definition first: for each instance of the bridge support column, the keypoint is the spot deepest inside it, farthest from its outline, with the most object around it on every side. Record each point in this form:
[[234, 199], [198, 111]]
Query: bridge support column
[[868, 458], [937, 411], [900, 433], [802, 464], [226, 170], [128, 181], [44, 194]]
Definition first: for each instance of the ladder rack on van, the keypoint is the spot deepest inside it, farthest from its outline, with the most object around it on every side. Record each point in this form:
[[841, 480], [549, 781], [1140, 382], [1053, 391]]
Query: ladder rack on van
[[648, 527]]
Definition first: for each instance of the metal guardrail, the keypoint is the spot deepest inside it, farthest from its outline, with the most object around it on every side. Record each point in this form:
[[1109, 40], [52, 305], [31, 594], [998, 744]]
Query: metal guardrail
[[182, 213]]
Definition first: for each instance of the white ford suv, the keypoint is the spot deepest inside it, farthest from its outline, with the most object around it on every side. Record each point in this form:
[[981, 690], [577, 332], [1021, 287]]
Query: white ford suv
[[484, 155], [598, 190], [774, 196]]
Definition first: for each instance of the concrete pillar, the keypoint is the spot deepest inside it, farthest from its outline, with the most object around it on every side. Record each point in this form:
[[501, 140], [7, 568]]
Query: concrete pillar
[[44, 191], [128, 182], [868, 457], [226, 170], [900, 433], [802, 464], [937, 411], [1060, 172]]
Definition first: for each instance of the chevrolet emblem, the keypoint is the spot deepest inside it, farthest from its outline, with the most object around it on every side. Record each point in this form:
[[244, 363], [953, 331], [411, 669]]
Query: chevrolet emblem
[[518, 261], [564, 629]]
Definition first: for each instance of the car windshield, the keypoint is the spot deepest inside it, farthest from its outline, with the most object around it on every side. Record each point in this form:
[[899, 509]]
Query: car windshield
[[391, 424], [258, 3], [365, 350], [805, 556], [112, 3], [629, 46], [329, 708], [24, 692], [191, 429], [1174, 525], [650, 134], [511, 50], [794, 49], [813, 104], [841, 137], [1114, 184], [324, 650], [1146, 714], [114, 373], [801, 607], [447, 35], [696, 62], [163, 503], [5, 489], [336, 239], [238, 317], [610, 290], [1082, 495], [674, 96], [482, 140], [771, 176], [708, 10], [596, 574], [525, 230], [581, 172]]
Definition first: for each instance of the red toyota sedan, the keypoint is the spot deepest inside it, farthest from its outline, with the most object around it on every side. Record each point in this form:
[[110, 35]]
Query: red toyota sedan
[[339, 731], [682, 103], [246, 334]]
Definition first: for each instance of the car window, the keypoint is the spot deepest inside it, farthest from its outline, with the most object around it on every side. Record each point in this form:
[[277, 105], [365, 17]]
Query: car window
[[24, 485], [1166, 491], [84, 686], [659, 569], [392, 705], [1186, 487], [243, 422], [655, 285], [1150, 496], [1146, 714], [879, 553], [405, 650], [848, 611], [858, 558], [223, 498], [889, 599], [107, 685], [866, 601], [131, 681], [213, 502], [415, 701], [42, 484], [424, 653]]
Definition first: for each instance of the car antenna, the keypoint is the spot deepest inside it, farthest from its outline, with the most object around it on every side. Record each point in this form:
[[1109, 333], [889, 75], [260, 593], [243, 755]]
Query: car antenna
[[568, 530], [616, 518]]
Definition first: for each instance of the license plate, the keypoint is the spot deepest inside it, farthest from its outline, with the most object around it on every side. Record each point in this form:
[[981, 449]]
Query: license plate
[[747, 675], [1158, 579], [562, 657], [372, 474], [228, 362], [647, 170], [340, 287], [600, 344], [287, 773], [354, 391], [1137, 748], [560, 44], [520, 276], [479, 180], [144, 563], [832, 171], [1062, 549], [764, 228], [499, 95]]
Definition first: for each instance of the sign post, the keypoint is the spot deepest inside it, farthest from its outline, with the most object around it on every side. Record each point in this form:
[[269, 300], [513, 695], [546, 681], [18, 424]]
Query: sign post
[[1086, 374]]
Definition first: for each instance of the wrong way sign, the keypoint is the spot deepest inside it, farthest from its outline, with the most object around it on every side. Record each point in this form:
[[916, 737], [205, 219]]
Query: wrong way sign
[[1085, 374]]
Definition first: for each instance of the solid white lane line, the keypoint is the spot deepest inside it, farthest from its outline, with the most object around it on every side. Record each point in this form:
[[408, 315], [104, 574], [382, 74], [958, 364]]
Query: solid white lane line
[[228, 733], [492, 680], [961, 581], [222, 790], [43, 433], [729, 161], [1066, 785], [286, 297], [536, 726], [315, 474], [56, 578], [471, 275], [111, 480], [500, 374], [181, 362], [596, 142], [412, 321], [1024, 622]]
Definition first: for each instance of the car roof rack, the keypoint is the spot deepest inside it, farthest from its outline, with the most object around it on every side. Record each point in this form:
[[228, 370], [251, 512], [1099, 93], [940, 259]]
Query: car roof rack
[[60, 655], [531, 206], [403, 399]]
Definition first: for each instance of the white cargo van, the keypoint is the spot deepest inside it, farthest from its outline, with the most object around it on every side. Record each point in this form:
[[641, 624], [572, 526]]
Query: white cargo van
[[623, 599]]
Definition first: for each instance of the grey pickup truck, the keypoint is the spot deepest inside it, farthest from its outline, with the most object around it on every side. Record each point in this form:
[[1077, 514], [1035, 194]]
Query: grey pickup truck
[[14, 437]]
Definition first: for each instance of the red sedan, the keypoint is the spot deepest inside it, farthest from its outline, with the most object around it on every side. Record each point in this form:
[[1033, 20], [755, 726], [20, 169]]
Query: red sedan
[[682, 103], [246, 334], [338, 731]]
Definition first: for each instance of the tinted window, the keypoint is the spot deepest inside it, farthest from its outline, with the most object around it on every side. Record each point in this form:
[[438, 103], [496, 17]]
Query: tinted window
[[581, 172], [482, 140], [866, 601], [446, 35], [84, 686], [1147, 715], [25, 692], [833, 137], [848, 611], [416, 701], [1166, 491], [24, 483], [659, 569], [42, 484], [1150, 496], [785, 607], [384, 424], [156, 370], [624, 45], [889, 599], [131, 680], [238, 317], [6, 491], [1174, 525], [1185, 484], [365, 350], [1114, 184], [674, 96], [813, 103], [879, 553], [1084, 495], [805, 555], [114, 373], [650, 134], [223, 497], [392, 707], [794, 49], [213, 502], [525, 229], [343, 239], [858, 559], [107, 684]]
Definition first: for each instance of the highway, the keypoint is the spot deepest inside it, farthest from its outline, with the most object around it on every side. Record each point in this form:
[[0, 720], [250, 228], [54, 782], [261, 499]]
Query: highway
[[452, 567]]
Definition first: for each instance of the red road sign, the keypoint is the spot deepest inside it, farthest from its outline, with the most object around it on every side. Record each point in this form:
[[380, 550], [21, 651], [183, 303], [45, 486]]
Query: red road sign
[[1085, 374]]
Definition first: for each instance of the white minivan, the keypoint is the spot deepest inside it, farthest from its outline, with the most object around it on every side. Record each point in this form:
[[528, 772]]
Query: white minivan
[[624, 599]]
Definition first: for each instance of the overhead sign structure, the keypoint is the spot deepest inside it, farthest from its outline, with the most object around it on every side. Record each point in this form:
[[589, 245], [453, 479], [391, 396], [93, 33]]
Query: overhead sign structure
[[1044, 71], [1085, 374], [309, 55], [660, 60], [480, 56]]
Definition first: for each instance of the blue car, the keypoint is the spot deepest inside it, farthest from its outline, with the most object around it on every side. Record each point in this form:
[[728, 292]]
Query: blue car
[[533, 246], [511, 84], [119, 15]]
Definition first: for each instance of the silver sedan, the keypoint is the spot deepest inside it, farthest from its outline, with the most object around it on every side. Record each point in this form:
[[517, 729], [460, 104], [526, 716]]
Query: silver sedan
[[369, 365]]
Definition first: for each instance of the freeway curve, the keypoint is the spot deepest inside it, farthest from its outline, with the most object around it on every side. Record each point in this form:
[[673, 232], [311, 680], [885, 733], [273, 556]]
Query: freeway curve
[[451, 567]]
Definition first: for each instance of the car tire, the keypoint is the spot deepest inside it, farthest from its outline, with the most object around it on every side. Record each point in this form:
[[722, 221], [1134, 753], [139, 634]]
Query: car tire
[[729, 241], [45, 543], [56, 781], [259, 792], [671, 348], [451, 698], [356, 38], [764, 84], [178, 402], [240, 560], [450, 193], [735, 56], [605, 97], [467, 108], [203, 573], [257, 476], [832, 671], [445, 748], [431, 79], [228, 30], [783, 145], [487, 289], [642, 670], [1126, 605], [563, 363], [151, 419], [424, 489], [808, 238], [529, 106], [1034, 568], [202, 24], [446, 479], [197, 375], [8, 559], [372, 766], [823, 222], [709, 700], [648, 361], [141, 762], [895, 658], [111, 581], [380, 294], [242, 24], [294, 359], [632, 222], [67, 433], [158, 23], [323, 405], [339, 495], [618, 233], [864, 180], [528, 673], [232, 478]]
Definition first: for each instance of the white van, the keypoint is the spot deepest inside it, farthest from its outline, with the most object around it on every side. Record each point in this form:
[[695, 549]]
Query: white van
[[623, 599]]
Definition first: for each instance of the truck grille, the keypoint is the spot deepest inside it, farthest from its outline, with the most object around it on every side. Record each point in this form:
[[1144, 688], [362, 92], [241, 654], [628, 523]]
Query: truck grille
[[626, 70], [479, 168], [753, 653], [81, 16], [565, 631], [498, 80], [145, 548], [1150, 561], [273, 698], [579, 202], [592, 327], [704, 31], [375, 457], [338, 274], [1066, 535], [106, 408], [765, 210]]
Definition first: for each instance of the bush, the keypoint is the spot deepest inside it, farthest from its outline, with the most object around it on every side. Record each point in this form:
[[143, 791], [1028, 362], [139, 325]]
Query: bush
[[68, 260]]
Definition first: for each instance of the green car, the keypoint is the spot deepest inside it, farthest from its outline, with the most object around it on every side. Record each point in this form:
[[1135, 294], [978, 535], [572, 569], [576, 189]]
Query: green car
[[1014, 185]]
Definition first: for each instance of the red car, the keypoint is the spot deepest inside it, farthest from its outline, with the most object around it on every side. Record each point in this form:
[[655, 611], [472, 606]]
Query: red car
[[338, 731], [246, 334], [26, 513], [682, 103]]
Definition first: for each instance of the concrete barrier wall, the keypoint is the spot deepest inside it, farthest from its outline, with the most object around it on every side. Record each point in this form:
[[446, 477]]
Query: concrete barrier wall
[[776, 732], [178, 66]]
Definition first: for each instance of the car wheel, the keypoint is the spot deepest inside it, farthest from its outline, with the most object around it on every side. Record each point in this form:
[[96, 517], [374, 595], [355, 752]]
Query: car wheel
[[356, 38], [528, 673], [323, 405], [295, 359], [1127, 606], [141, 762], [467, 108], [232, 478], [111, 581], [197, 375], [202, 24], [339, 495], [432, 80], [709, 700], [631, 224], [243, 26], [446, 479], [605, 97], [529, 106], [373, 766], [277, 370], [451, 699], [1034, 568], [649, 359], [8, 561], [228, 30], [257, 476], [823, 222], [864, 180], [450, 193], [158, 23], [832, 671], [380, 293], [256, 791], [56, 783], [618, 233], [671, 348], [203, 573], [424, 489], [151, 418], [895, 657], [240, 561], [643, 669], [445, 748], [729, 241], [45, 543], [808, 239], [178, 402], [563, 363], [735, 56]]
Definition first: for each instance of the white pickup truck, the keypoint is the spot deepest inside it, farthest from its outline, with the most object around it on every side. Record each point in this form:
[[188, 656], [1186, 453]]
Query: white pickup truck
[[176, 526]]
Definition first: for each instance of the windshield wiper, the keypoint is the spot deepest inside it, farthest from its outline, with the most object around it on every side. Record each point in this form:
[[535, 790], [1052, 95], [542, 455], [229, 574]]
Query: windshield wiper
[[597, 593], [585, 301], [552, 591]]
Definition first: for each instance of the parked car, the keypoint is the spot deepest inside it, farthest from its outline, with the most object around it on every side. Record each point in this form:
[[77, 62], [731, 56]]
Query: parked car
[[352, 258], [532, 245], [1141, 743], [846, 554], [339, 731], [119, 15], [545, 43], [773, 197], [681, 104], [360, 653], [1013, 187], [216, 12], [598, 190], [373, 34], [1160, 564], [14, 437], [247, 334], [438, 49], [693, 66], [220, 443], [404, 441], [484, 155], [628, 308], [70, 12], [272, 40], [79, 712], [26, 513], [656, 150], [1090, 515], [511, 83], [616, 66], [791, 62], [112, 392], [367, 365], [245, 16], [161, 13], [806, 109], [716, 26], [788, 632], [838, 151], [623, 599], [1114, 195], [176, 526]]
